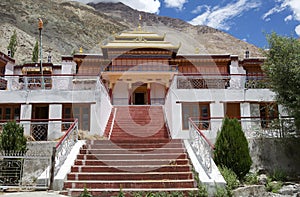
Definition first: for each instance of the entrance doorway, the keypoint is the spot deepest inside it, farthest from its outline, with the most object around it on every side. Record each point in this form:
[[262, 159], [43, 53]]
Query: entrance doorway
[[39, 126], [139, 98]]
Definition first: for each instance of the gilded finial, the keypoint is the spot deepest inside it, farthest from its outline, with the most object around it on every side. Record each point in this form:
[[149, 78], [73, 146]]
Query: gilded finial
[[80, 50], [140, 19], [197, 51]]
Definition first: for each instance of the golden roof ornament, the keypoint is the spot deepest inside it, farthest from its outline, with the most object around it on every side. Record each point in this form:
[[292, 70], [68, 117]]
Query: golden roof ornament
[[197, 51], [40, 24], [80, 50]]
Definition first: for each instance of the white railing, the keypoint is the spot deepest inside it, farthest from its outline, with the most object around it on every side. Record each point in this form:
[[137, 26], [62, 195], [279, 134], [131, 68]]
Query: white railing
[[65, 145], [51, 82], [255, 127], [201, 146], [214, 81]]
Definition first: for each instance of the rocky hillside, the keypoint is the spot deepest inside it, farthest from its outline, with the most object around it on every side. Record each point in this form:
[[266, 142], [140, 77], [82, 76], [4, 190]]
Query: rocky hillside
[[70, 25]]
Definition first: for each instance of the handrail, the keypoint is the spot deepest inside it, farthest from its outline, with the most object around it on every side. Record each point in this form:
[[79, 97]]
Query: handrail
[[65, 145], [67, 133], [201, 146], [112, 124], [200, 132]]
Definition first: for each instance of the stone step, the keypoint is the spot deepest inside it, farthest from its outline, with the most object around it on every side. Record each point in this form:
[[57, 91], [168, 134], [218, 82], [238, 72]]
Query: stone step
[[132, 151], [130, 176], [136, 168], [188, 183], [138, 141], [132, 162], [128, 191], [132, 145], [132, 156]]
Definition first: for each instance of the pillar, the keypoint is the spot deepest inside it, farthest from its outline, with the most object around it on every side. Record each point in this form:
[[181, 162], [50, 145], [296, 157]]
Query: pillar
[[55, 125], [25, 114], [110, 92], [148, 93], [129, 94]]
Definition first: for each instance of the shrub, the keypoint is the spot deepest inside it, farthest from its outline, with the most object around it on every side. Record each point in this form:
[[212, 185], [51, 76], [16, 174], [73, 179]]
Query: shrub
[[231, 148], [230, 178], [85, 193], [221, 192], [12, 138], [273, 186], [251, 178], [278, 175]]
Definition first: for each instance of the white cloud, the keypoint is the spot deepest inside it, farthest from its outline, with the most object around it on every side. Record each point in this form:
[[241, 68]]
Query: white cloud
[[218, 17], [288, 18], [293, 5], [151, 6], [199, 8], [175, 3], [297, 30]]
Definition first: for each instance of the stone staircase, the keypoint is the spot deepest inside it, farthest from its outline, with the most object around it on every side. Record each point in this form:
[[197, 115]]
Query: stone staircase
[[138, 157]]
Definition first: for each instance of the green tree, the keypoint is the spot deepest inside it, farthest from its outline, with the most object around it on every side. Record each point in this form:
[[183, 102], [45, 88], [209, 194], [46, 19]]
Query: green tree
[[231, 148], [12, 46], [35, 52], [12, 138], [283, 69]]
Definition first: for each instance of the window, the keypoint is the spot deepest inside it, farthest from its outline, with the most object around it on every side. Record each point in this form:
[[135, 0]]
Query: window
[[199, 111], [268, 112], [10, 112], [79, 111]]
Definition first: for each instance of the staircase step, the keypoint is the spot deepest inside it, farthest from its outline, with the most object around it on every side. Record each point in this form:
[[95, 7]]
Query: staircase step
[[133, 156], [132, 151], [114, 192], [188, 183], [130, 176], [136, 168], [132, 162]]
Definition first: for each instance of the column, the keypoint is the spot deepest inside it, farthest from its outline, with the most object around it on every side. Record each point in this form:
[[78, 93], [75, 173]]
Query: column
[[217, 115], [110, 92], [25, 114], [148, 93], [55, 125], [245, 118], [129, 94]]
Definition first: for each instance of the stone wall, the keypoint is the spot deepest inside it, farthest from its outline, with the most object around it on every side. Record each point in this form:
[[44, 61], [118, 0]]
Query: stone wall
[[276, 154], [39, 158]]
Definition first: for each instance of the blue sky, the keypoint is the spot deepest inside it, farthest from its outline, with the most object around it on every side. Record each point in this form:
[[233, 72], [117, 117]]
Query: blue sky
[[248, 20]]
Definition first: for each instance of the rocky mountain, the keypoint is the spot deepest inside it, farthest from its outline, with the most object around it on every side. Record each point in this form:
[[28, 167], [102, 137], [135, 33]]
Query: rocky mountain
[[70, 25]]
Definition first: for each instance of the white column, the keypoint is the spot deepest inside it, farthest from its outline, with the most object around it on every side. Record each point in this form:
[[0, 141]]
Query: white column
[[217, 115], [25, 114], [55, 126], [246, 120]]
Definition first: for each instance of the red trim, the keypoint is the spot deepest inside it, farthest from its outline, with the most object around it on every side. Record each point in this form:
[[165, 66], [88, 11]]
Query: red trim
[[67, 132], [200, 132]]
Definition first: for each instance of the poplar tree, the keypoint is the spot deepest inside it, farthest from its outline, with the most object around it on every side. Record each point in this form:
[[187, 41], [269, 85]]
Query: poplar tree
[[35, 52], [12, 46]]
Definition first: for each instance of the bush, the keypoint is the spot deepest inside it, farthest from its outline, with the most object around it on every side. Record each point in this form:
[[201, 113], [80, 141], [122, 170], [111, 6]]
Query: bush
[[221, 192], [231, 148], [251, 178], [230, 178], [273, 186], [85, 193], [12, 138], [278, 175]]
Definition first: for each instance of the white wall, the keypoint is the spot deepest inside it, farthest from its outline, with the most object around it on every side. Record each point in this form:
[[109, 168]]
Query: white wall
[[120, 93]]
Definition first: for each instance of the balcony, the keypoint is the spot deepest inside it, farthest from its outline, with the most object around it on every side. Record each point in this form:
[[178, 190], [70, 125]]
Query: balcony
[[253, 127], [222, 81], [49, 82], [141, 68]]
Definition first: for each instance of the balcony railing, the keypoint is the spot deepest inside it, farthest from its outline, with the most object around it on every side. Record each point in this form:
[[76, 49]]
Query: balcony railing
[[38, 129], [255, 127], [213, 81], [142, 68], [49, 82], [3, 83]]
